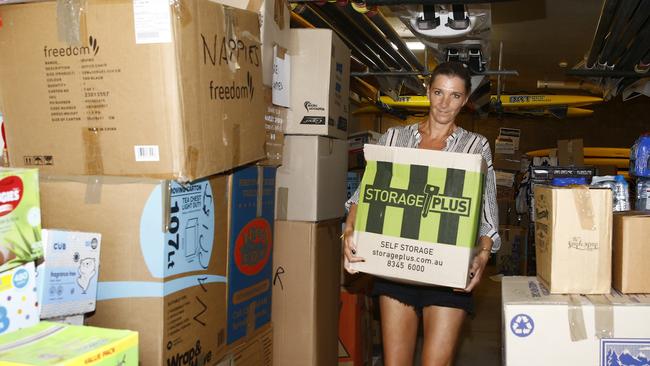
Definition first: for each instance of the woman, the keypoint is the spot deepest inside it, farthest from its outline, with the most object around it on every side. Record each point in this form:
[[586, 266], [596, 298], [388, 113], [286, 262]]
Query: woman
[[443, 310]]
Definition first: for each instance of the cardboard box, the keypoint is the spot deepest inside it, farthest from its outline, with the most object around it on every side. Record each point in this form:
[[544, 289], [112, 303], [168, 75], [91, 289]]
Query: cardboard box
[[311, 181], [355, 329], [631, 252], [418, 214], [67, 279], [306, 293], [570, 152], [165, 257], [358, 139], [510, 259], [50, 343], [20, 217], [255, 351], [607, 329], [320, 85], [274, 28], [197, 107], [508, 162], [19, 307], [573, 239]]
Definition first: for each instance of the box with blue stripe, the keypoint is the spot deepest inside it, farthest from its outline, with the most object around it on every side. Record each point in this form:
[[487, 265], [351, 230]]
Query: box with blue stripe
[[418, 214]]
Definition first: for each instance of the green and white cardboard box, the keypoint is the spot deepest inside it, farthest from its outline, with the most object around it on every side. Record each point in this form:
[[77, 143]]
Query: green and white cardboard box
[[418, 214]]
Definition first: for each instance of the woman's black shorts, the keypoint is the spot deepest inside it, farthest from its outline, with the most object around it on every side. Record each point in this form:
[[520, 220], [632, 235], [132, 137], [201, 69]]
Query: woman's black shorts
[[420, 297]]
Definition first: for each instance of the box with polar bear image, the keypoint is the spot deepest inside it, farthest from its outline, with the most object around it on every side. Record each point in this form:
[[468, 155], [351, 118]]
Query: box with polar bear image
[[67, 278]]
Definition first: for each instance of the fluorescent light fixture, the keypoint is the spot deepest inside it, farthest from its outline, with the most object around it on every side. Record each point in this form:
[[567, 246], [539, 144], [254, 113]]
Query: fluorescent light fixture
[[415, 45], [394, 46]]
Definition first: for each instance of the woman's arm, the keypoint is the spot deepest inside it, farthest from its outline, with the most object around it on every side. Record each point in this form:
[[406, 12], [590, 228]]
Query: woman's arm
[[349, 247]]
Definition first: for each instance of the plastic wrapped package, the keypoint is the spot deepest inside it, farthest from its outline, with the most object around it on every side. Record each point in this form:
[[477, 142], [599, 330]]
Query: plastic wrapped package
[[620, 190], [643, 194], [640, 157]]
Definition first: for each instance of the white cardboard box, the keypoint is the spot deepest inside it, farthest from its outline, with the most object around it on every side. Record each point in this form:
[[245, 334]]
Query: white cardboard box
[[537, 328], [311, 183], [320, 83], [19, 307], [67, 279]]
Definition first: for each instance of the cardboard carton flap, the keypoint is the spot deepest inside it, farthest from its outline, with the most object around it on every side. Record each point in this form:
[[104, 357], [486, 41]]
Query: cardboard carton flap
[[442, 159]]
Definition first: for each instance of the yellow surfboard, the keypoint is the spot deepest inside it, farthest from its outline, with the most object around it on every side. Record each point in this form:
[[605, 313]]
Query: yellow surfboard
[[592, 152], [535, 101]]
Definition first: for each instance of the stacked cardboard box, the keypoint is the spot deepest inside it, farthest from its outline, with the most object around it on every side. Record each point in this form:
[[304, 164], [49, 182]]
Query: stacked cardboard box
[[311, 186], [132, 129]]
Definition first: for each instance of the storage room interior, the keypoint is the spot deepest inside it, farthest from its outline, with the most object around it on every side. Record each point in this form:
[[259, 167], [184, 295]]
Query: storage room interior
[[235, 182]]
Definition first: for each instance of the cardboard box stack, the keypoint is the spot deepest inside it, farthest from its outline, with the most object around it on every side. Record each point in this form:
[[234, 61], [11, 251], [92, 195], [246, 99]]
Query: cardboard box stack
[[311, 192], [142, 132]]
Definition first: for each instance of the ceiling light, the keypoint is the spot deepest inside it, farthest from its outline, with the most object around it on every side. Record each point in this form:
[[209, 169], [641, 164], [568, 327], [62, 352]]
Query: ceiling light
[[563, 64], [415, 45], [394, 46]]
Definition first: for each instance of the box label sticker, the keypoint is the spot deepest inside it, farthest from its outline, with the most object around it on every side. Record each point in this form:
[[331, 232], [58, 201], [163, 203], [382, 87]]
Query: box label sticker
[[522, 325], [308, 120], [624, 351], [152, 20], [188, 243], [281, 79], [147, 153]]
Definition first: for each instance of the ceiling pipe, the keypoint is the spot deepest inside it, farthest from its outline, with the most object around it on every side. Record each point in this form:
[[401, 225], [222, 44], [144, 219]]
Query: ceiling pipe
[[637, 51], [640, 16], [572, 85], [380, 21], [605, 21], [427, 2], [340, 26], [320, 22], [623, 14], [372, 37], [604, 73]]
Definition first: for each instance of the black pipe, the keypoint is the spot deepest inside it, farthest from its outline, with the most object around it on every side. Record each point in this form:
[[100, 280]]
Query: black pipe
[[625, 10], [341, 26], [605, 73], [354, 26], [605, 21], [361, 51], [415, 73], [636, 51], [640, 16], [383, 25], [376, 35]]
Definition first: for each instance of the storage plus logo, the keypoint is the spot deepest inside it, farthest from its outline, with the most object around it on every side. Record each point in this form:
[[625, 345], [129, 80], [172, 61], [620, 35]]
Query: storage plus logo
[[91, 49], [430, 201]]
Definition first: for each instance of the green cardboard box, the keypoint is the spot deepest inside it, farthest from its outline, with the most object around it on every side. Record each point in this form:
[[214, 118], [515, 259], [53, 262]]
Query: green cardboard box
[[418, 214], [20, 217], [59, 344]]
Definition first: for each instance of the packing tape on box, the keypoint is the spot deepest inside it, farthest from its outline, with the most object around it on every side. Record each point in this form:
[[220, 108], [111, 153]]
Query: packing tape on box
[[279, 9], [71, 21], [584, 205], [604, 316], [166, 197], [180, 11], [576, 319], [93, 194], [282, 202], [255, 5], [192, 162], [92, 151], [260, 191], [250, 318], [236, 145]]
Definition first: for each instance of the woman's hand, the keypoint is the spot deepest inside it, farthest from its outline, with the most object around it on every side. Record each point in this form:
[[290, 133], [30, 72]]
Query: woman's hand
[[349, 246], [477, 268]]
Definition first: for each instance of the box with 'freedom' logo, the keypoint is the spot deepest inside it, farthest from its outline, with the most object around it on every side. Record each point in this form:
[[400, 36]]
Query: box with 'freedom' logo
[[418, 214]]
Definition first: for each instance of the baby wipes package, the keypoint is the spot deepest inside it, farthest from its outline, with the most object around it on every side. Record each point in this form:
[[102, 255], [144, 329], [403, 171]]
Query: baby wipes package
[[18, 302], [68, 275], [20, 217]]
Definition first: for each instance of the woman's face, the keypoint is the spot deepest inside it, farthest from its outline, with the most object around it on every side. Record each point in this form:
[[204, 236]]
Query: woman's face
[[447, 96]]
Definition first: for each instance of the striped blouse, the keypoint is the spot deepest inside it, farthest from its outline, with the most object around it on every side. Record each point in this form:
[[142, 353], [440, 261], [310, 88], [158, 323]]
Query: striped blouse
[[461, 141]]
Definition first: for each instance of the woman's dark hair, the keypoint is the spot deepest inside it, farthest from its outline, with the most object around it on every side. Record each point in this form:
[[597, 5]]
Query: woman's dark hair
[[453, 68]]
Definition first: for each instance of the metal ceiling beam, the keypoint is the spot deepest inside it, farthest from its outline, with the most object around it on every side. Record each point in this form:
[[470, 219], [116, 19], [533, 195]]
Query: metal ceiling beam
[[427, 2], [606, 73], [605, 21], [380, 21]]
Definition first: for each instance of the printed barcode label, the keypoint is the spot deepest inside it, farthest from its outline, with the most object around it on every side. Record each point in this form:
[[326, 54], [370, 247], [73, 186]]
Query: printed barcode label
[[147, 153], [152, 20]]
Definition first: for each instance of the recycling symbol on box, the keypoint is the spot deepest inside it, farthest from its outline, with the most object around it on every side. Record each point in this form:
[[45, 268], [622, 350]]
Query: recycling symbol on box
[[522, 325]]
